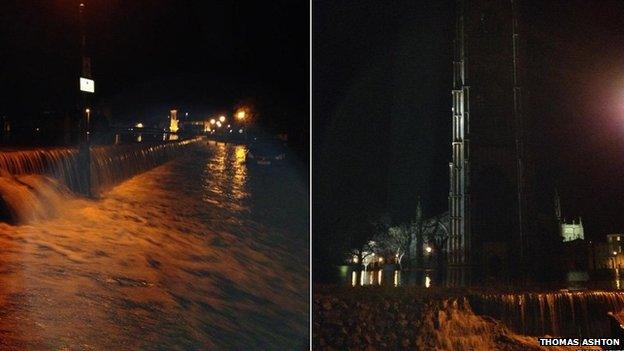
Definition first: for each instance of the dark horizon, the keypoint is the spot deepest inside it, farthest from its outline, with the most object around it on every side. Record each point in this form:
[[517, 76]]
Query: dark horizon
[[147, 58]]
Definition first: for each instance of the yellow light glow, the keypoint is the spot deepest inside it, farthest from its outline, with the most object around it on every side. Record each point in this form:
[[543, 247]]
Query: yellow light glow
[[173, 126], [219, 124], [222, 119], [240, 115], [139, 125], [212, 121], [240, 154], [173, 122], [428, 249], [427, 282], [87, 110]]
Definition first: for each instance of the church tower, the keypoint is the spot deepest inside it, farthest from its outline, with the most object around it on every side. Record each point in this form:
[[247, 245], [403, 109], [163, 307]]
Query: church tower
[[486, 198]]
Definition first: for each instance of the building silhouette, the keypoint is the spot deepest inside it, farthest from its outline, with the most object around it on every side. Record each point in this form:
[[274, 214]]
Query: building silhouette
[[489, 193]]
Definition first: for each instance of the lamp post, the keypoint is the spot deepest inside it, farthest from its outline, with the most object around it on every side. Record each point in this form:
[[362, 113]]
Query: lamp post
[[85, 77], [241, 117]]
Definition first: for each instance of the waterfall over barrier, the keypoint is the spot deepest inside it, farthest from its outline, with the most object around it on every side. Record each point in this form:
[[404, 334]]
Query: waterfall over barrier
[[60, 164], [566, 314], [112, 164], [34, 183]]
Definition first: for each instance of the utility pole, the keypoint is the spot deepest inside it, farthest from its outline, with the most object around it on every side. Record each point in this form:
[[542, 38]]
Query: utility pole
[[517, 111], [85, 110]]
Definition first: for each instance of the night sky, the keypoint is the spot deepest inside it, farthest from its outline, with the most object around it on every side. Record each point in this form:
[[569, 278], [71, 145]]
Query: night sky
[[382, 78], [148, 56]]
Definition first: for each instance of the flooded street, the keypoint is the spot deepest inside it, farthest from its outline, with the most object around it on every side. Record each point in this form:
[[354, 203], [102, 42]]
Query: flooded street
[[202, 252]]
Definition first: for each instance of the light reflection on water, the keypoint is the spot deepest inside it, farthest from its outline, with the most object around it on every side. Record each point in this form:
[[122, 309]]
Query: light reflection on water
[[576, 280], [226, 176], [377, 277], [200, 253]]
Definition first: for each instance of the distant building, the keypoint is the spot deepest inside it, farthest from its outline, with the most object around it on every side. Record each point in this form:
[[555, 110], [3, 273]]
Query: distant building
[[572, 231], [173, 121], [608, 255], [615, 242], [568, 231]]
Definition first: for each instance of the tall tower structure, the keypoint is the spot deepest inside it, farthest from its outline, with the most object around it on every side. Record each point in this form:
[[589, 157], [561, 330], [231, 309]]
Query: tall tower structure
[[486, 199], [173, 121]]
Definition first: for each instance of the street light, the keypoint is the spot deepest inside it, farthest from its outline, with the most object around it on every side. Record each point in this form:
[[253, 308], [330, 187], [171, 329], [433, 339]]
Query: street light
[[88, 115], [240, 115], [222, 119], [212, 121]]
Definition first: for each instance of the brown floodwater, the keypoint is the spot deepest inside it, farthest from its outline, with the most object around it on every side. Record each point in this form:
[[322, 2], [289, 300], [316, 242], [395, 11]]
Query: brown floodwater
[[202, 252]]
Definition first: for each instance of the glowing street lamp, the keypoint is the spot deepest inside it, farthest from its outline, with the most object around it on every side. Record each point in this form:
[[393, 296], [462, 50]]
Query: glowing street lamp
[[222, 119], [139, 125], [428, 249], [88, 114], [240, 115], [212, 121], [219, 124]]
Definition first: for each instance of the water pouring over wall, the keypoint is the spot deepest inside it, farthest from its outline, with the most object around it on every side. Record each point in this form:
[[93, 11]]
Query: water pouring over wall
[[112, 164], [34, 183], [567, 314]]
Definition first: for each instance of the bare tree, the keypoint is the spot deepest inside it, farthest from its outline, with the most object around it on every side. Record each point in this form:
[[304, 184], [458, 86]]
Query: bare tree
[[397, 240], [363, 233]]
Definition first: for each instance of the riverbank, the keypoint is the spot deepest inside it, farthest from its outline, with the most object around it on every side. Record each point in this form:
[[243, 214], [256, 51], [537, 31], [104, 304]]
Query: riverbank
[[378, 318]]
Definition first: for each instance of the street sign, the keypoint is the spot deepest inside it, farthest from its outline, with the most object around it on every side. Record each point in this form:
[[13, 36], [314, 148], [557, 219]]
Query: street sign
[[87, 85]]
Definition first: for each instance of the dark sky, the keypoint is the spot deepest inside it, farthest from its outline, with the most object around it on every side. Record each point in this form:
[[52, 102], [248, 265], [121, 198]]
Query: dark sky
[[150, 55], [382, 78]]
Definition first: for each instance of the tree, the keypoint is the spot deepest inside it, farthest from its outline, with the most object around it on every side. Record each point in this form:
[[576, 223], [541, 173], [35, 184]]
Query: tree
[[361, 231], [397, 240]]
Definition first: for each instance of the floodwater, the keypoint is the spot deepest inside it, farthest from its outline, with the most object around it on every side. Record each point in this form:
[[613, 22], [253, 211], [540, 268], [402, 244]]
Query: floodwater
[[427, 278], [202, 252]]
